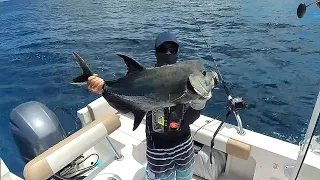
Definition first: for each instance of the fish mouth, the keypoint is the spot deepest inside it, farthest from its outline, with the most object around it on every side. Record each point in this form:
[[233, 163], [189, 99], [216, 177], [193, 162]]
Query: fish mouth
[[202, 83]]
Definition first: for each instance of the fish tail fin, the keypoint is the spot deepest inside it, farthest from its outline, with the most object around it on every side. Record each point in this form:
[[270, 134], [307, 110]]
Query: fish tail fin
[[138, 116], [85, 70]]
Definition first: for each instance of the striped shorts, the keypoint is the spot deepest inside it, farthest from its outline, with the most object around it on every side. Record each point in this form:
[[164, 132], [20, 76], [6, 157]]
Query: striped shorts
[[171, 162]]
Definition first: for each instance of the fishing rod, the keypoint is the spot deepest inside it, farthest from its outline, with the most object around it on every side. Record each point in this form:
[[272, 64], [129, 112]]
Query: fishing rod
[[234, 104], [302, 8]]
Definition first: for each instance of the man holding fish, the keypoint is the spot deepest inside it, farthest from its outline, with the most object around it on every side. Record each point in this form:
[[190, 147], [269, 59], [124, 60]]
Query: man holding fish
[[170, 150]]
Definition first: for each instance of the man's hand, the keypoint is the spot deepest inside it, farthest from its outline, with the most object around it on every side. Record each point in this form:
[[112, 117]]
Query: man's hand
[[95, 84]]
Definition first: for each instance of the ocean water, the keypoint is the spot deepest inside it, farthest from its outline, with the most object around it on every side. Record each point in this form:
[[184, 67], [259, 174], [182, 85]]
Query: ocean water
[[265, 53]]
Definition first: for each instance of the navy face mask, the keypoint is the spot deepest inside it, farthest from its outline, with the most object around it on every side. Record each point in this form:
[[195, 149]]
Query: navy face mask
[[163, 59]]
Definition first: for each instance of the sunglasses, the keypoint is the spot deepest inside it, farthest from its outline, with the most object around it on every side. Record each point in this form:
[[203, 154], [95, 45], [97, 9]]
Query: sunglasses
[[164, 48]]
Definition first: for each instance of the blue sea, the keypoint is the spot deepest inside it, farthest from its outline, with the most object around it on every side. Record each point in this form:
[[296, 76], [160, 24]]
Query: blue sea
[[265, 53]]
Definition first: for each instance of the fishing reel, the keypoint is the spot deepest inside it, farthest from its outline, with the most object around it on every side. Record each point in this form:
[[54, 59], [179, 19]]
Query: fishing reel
[[236, 104], [302, 8]]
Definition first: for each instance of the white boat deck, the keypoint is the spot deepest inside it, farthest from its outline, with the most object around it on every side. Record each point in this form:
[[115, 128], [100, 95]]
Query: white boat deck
[[268, 158], [132, 146]]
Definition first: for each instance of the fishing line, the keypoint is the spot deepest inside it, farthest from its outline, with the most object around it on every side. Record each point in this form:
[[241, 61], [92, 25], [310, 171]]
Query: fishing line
[[220, 77], [234, 104], [209, 122], [213, 59]]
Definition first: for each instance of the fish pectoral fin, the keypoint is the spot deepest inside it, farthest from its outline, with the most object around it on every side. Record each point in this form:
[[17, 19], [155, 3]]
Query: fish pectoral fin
[[138, 116], [176, 96]]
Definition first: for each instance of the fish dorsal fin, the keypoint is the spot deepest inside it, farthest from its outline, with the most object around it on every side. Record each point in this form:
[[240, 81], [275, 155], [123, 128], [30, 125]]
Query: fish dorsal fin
[[132, 65]]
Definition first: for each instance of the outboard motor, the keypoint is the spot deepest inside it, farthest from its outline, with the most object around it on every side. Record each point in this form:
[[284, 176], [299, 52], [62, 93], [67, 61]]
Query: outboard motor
[[35, 128]]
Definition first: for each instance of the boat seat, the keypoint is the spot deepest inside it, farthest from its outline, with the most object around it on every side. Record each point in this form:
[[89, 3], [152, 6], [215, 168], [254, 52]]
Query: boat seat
[[54, 159]]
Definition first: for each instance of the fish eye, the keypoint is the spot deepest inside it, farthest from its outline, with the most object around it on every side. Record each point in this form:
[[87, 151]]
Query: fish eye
[[204, 73]]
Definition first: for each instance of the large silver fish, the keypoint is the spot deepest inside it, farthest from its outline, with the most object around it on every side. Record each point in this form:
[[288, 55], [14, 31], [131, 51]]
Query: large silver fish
[[145, 89]]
